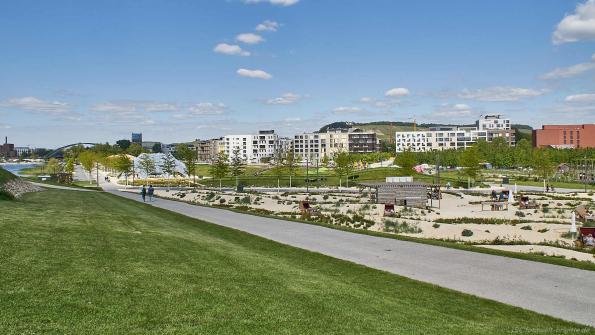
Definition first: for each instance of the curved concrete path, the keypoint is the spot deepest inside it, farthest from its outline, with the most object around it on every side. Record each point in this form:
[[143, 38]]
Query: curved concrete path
[[558, 291]]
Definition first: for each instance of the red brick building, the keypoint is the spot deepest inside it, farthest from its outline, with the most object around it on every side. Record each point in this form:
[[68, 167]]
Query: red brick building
[[7, 149], [565, 136]]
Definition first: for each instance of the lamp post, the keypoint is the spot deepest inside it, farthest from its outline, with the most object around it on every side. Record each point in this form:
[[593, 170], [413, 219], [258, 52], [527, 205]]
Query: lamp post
[[307, 173]]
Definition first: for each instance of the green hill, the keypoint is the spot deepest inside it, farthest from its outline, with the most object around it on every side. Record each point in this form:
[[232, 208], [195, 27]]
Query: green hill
[[94, 263]]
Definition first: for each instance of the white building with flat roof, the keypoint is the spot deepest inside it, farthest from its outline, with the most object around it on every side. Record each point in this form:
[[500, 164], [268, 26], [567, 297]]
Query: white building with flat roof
[[487, 128], [254, 148]]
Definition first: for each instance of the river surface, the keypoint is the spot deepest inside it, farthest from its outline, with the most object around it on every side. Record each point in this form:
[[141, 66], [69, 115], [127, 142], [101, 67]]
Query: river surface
[[15, 168]]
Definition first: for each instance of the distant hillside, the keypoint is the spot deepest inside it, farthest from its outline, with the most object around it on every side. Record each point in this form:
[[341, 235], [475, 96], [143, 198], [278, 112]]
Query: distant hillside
[[386, 129]]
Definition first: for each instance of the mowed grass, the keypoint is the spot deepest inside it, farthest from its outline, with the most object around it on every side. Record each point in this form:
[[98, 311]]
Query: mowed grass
[[82, 262]]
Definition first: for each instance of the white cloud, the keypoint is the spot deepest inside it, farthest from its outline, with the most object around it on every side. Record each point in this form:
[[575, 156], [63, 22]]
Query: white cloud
[[254, 74], [285, 99], [207, 108], [4, 126], [579, 26], [397, 92], [500, 94], [453, 110], [230, 49], [348, 110], [283, 3], [37, 105], [249, 38], [571, 71], [134, 106], [267, 26], [581, 98], [111, 107], [365, 100]]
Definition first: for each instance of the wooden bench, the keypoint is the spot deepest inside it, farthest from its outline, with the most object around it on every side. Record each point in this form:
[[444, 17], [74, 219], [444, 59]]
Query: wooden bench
[[389, 209], [583, 214], [525, 203], [495, 205]]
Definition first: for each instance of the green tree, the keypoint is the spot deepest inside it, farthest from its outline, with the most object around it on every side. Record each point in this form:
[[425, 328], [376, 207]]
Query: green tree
[[146, 165], [123, 165], [343, 166], [190, 158], [88, 160], [523, 153], [469, 159], [238, 165], [325, 161], [219, 167], [156, 147], [135, 149], [291, 164], [69, 167], [123, 144], [278, 166], [542, 163], [406, 161], [168, 166], [53, 166]]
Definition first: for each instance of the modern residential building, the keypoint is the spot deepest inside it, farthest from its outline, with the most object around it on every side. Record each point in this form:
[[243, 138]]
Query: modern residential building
[[254, 148], [207, 150], [315, 146], [565, 136], [7, 149], [137, 138], [487, 128], [149, 145]]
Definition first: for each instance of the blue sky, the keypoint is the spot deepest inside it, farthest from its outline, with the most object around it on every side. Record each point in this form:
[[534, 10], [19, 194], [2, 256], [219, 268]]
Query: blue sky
[[177, 70]]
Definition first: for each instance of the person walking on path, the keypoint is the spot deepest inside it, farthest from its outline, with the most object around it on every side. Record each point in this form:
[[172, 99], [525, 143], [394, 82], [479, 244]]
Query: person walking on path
[[150, 192], [143, 193]]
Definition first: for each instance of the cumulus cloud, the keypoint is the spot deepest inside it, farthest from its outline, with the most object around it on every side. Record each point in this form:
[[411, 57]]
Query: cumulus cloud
[[230, 49], [37, 105], [397, 92], [267, 26], [133, 106], [500, 94], [571, 71], [453, 110], [249, 38], [283, 3], [578, 26], [348, 110], [581, 98], [259, 74], [207, 108], [285, 99]]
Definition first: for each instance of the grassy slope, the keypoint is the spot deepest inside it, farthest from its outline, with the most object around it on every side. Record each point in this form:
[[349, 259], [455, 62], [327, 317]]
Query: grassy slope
[[68, 265], [5, 176]]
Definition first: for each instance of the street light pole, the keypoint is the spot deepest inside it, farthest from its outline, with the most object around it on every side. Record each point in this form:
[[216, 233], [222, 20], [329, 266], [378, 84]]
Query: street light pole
[[307, 173]]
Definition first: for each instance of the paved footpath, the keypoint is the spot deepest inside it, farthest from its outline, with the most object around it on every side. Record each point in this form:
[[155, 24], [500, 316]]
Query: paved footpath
[[558, 291]]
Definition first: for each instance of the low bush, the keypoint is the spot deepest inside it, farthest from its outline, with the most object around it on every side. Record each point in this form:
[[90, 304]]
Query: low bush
[[526, 228], [436, 225], [467, 233]]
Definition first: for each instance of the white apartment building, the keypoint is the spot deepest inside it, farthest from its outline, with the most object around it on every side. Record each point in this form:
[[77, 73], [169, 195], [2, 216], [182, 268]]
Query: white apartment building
[[315, 146], [254, 148], [444, 138]]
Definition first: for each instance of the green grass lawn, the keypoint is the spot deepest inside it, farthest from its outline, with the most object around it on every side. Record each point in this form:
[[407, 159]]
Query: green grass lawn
[[77, 262]]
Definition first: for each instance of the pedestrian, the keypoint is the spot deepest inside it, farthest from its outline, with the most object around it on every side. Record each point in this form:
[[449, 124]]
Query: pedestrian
[[150, 193], [143, 193], [547, 188]]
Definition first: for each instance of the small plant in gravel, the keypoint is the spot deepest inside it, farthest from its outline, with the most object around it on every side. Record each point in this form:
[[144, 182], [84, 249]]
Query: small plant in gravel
[[544, 230], [526, 227], [467, 233], [436, 225], [221, 201]]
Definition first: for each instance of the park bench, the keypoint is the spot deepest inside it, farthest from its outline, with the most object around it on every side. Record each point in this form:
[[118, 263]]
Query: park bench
[[583, 214], [307, 210], [525, 203], [584, 231], [495, 205], [389, 209]]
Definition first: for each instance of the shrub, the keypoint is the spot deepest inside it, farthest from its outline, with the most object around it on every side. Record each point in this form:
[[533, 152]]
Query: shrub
[[544, 230], [526, 228], [467, 233], [520, 214], [436, 225], [221, 201], [325, 197]]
